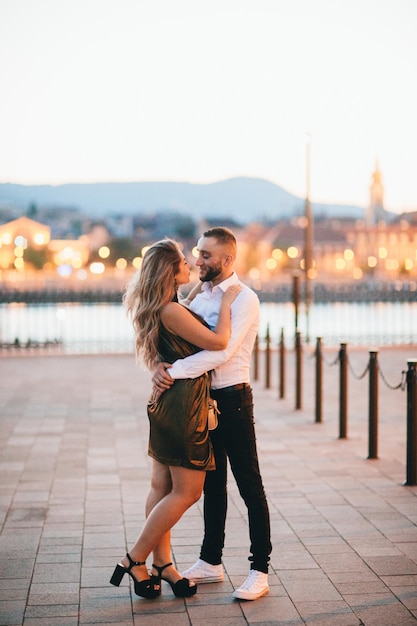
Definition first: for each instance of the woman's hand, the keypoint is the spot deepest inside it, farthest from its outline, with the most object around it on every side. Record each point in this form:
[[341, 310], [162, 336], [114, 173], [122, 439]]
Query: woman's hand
[[231, 293], [194, 291]]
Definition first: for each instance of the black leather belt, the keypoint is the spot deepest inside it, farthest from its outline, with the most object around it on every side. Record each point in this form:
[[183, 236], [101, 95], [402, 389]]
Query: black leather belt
[[232, 388]]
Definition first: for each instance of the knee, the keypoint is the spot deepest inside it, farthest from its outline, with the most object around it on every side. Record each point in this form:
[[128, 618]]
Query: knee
[[161, 487], [192, 496]]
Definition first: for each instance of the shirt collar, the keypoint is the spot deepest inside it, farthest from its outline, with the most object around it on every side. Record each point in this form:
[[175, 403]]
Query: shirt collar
[[232, 280]]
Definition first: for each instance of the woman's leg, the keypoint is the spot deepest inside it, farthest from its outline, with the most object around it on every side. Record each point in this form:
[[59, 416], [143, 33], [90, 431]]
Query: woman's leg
[[187, 486], [161, 485]]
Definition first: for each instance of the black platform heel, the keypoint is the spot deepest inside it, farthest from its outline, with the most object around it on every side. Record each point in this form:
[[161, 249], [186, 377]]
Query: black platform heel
[[181, 589], [147, 588]]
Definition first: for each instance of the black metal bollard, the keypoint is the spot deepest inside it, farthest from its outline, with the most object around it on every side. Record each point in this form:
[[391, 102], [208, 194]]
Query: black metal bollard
[[373, 405], [256, 359], [298, 370], [319, 380], [343, 392], [267, 359], [282, 365], [412, 422]]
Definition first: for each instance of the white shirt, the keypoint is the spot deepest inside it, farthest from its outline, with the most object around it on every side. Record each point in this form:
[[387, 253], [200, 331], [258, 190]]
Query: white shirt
[[232, 365]]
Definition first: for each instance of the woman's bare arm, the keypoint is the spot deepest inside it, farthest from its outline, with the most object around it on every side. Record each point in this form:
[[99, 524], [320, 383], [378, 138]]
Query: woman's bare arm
[[178, 320]]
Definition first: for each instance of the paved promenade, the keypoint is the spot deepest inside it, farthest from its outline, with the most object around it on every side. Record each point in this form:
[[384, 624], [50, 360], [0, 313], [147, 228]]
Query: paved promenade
[[74, 475]]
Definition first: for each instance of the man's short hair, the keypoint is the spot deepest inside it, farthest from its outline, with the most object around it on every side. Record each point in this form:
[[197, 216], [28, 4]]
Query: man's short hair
[[222, 234]]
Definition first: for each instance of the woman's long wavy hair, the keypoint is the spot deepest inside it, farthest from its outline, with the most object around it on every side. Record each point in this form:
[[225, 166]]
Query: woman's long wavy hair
[[150, 289]]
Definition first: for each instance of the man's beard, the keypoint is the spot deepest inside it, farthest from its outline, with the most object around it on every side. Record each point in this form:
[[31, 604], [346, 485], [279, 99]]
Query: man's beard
[[211, 273]]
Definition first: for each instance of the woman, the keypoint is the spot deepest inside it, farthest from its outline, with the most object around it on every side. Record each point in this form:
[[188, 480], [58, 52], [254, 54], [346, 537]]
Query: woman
[[179, 443]]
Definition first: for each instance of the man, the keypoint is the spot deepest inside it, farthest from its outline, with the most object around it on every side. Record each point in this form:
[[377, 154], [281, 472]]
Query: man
[[234, 438]]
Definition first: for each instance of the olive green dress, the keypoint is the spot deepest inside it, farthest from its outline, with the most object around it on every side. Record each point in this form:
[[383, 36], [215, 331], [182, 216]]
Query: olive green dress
[[178, 419]]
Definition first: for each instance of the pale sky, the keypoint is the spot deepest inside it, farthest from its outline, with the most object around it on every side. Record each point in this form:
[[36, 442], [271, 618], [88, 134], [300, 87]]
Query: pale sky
[[204, 90]]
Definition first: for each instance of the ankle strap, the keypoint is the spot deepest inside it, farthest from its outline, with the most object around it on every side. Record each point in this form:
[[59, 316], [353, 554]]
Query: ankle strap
[[161, 568], [133, 563]]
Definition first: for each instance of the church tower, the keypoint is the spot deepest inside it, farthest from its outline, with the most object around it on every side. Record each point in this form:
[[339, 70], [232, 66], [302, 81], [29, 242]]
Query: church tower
[[376, 212]]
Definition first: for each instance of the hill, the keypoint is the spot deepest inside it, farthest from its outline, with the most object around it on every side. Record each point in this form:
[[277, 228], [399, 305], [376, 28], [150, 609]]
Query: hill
[[244, 199]]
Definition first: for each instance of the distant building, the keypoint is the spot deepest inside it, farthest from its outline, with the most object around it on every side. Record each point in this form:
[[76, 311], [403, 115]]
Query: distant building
[[22, 235], [387, 251], [97, 236], [34, 233], [343, 248], [71, 252], [376, 212], [18, 235]]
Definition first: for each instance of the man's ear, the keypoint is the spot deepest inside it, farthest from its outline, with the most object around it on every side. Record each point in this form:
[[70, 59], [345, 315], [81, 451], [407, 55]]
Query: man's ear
[[228, 260]]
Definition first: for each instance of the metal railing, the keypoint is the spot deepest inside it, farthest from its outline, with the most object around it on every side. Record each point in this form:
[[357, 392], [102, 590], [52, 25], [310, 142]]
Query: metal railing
[[81, 326]]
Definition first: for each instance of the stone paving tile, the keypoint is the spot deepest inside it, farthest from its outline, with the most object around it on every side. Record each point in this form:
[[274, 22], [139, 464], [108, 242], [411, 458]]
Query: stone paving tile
[[228, 610], [17, 567], [74, 474], [12, 612], [343, 563], [51, 621], [49, 612], [378, 546], [51, 572], [331, 612], [98, 606], [175, 619], [392, 565], [18, 592], [53, 593], [368, 599], [334, 619], [310, 590], [296, 557], [386, 615], [407, 596], [395, 581], [271, 610]]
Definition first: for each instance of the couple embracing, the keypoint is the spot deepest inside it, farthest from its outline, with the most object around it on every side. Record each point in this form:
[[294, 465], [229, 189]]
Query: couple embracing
[[197, 348]]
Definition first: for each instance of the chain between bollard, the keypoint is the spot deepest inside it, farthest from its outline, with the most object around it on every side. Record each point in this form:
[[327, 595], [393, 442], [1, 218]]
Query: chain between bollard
[[401, 385], [332, 363], [352, 371]]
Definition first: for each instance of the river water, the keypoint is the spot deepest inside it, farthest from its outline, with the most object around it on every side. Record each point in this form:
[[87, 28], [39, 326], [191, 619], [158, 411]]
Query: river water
[[98, 328]]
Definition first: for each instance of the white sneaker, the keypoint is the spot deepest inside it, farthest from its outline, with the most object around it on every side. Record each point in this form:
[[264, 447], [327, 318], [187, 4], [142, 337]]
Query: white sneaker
[[203, 572], [255, 586]]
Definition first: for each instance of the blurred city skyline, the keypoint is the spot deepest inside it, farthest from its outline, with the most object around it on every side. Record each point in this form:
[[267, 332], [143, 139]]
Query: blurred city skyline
[[201, 92]]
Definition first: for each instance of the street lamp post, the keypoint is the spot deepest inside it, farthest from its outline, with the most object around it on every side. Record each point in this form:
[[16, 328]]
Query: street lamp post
[[308, 245]]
